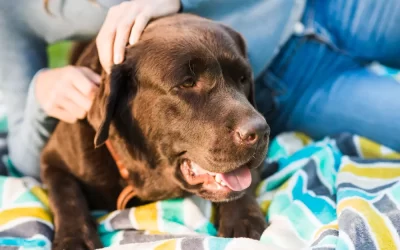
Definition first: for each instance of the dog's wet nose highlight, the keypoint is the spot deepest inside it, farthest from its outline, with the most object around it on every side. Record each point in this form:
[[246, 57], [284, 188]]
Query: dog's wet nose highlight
[[250, 131]]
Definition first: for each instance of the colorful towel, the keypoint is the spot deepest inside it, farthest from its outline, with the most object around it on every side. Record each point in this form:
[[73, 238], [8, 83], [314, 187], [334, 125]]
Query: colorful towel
[[342, 192], [338, 193]]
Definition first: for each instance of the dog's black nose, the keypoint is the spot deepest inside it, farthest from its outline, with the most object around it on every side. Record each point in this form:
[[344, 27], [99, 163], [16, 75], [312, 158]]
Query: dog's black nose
[[250, 131]]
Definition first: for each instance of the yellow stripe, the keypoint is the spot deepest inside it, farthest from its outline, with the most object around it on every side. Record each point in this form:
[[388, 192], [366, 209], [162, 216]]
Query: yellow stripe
[[17, 213], [370, 149], [303, 138], [284, 185], [375, 221], [156, 232], [375, 172], [146, 217], [102, 218], [260, 187], [213, 213], [264, 206], [41, 195], [167, 245], [325, 228]]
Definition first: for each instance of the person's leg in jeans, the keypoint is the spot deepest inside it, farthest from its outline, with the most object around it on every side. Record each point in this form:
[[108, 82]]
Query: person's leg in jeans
[[25, 31], [321, 81]]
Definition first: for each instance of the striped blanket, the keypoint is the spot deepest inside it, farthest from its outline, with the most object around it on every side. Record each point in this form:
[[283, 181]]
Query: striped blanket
[[341, 192], [338, 193]]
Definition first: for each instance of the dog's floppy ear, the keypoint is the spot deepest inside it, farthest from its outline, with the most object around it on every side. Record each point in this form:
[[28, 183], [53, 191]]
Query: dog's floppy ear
[[114, 92], [238, 38], [241, 44]]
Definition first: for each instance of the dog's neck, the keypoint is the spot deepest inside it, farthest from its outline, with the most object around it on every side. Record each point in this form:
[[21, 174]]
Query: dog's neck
[[132, 144]]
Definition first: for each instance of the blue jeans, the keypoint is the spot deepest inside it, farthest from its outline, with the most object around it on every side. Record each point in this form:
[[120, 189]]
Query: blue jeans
[[320, 83]]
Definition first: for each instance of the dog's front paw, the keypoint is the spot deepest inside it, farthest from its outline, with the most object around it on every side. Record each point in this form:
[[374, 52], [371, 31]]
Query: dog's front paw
[[242, 218], [75, 243], [242, 226]]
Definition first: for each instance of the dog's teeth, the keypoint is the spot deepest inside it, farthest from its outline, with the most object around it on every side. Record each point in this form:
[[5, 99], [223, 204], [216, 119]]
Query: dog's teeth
[[223, 183], [218, 178]]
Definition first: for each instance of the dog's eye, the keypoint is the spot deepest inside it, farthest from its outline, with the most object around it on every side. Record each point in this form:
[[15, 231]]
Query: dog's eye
[[243, 80], [190, 83]]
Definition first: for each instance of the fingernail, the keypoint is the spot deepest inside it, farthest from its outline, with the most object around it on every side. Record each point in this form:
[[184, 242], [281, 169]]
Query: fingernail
[[117, 59], [132, 41]]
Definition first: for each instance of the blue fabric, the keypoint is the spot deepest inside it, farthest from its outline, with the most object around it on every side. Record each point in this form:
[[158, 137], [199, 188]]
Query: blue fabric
[[322, 82], [265, 25]]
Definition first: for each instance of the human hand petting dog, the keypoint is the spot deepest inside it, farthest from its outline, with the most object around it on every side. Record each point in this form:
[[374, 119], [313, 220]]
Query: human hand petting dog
[[67, 93], [125, 23]]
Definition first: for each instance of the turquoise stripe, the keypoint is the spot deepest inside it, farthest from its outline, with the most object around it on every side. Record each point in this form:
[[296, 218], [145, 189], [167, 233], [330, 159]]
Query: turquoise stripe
[[172, 210], [351, 192], [30, 243], [395, 191], [102, 224], [215, 243], [26, 197], [299, 155], [342, 245], [274, 183], [322, 210], [12, 171], [3, 125], [172, 215], [276, 151], [279, 204], [301, 221], [329, 163], [112, 238], [277, 180], [207, 229]]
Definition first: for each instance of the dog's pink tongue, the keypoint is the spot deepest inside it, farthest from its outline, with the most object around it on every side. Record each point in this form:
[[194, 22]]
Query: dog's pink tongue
[[238, 179]]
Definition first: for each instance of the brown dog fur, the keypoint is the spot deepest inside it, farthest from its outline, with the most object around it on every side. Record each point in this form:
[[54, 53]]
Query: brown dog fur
[[153, 123]]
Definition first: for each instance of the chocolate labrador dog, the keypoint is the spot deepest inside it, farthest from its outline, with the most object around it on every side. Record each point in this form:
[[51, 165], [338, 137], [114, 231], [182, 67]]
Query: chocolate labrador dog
[[179, 113]]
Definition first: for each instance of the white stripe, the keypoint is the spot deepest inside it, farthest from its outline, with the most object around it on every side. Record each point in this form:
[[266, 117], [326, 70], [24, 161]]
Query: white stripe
[[194, 209], [373, 164], [31, 204], [178, 245], [12, 189], [345, 237], [290, 142], [160, 222], [288, 169], [283, 235], [362, 182], [132, 218], [243, 243], [107, 221]]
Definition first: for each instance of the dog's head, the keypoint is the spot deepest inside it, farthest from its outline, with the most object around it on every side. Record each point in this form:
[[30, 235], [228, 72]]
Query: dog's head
[[183, 98]]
